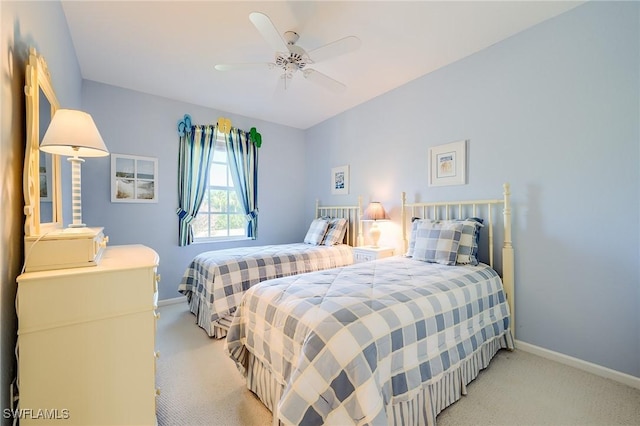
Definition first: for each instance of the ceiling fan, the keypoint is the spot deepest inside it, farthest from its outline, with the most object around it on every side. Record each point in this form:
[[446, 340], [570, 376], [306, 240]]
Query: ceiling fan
[[291, 58]]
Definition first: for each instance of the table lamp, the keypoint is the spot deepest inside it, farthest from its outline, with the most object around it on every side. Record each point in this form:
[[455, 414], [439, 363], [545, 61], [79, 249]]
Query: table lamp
[[73, 133], [374, 213]]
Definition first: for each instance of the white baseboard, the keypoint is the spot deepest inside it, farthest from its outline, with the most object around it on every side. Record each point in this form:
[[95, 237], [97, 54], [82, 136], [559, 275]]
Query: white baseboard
[[596, 369], [175, 300]]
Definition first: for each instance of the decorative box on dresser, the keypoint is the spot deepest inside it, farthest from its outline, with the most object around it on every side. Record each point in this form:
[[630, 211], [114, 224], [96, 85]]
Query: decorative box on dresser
[[368, 253], [86, 340]]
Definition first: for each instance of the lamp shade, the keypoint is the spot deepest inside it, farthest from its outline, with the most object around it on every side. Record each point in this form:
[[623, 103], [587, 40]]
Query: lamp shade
[[73, 133], [375, 211]]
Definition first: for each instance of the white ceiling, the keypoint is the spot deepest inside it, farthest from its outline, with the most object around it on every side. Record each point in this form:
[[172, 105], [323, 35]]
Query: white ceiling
[[169, 48]]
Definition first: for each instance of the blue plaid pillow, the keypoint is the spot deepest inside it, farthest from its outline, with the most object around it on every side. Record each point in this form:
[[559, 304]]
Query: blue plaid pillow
[[468, 248], [438, 242], [316, 231], [335, 232]]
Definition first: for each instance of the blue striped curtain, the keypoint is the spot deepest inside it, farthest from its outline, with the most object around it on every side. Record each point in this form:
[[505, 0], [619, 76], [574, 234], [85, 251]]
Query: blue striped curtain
[[196, 148], [243, 161]]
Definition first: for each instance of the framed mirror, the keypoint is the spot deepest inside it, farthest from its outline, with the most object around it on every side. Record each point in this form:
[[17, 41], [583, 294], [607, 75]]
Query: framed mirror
[[41, 180]]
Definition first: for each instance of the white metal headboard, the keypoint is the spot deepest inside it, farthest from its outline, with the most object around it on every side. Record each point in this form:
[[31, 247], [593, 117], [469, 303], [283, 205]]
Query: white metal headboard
[[353, 236], [473, 208]]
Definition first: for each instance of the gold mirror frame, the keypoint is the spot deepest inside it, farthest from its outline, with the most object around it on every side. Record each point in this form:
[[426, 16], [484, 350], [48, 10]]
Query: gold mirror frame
[[38, 79]]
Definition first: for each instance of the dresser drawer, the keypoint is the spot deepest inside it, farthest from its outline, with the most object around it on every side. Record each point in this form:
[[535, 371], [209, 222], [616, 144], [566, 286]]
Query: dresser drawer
[[123, 283]]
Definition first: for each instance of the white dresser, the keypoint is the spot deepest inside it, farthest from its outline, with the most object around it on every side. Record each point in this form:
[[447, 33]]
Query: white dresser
[[86, 341]]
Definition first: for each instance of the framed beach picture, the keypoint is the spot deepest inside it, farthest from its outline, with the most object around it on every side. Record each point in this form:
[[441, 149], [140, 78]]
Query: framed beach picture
[[340, 180], [134, 179], [448, 164]]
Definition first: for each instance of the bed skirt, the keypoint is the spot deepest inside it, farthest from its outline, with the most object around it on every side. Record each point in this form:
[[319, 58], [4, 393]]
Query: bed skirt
[[421, 409], [217, 329]]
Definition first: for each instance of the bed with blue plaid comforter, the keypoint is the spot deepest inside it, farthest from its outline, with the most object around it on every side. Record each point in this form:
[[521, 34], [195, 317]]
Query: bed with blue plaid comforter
[[215, 281], [393, 341]]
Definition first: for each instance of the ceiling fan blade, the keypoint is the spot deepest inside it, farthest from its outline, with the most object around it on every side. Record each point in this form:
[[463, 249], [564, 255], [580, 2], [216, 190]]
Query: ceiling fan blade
[[324, 80], [242, 67], [336, 48], [268, 31]]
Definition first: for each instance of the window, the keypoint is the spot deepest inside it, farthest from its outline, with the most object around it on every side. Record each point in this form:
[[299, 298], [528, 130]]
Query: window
[[220, 215]]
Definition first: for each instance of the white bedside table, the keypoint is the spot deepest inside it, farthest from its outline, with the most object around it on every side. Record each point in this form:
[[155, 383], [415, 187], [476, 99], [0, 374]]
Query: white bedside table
[[368, 253]]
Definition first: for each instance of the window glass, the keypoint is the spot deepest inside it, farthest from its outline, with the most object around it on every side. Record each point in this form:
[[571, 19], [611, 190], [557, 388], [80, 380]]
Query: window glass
[[220, 216]]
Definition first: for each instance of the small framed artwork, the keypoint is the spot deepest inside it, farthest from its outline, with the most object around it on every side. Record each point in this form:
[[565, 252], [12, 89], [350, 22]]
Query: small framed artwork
[[134, 179], [340, 180], [448, 164]]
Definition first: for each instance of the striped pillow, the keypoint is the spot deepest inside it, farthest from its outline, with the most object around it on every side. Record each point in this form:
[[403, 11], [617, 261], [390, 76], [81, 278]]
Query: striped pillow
[[438, 242], [335, 232], [316, 231]]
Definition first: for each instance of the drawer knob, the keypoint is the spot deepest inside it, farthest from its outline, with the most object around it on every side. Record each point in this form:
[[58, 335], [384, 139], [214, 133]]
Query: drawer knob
[[156, 354], [158, 278], [157, 391]]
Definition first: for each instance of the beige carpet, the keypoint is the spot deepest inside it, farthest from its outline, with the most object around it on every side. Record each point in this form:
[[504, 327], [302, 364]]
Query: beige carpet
[[201, 386]]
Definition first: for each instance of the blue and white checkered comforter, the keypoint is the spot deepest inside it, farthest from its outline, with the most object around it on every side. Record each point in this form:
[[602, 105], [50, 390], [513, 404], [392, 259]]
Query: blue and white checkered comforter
[[347, 343], [215, 281]]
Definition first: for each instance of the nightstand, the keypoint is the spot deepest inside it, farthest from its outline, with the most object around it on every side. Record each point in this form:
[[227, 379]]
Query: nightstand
[[368, 253]]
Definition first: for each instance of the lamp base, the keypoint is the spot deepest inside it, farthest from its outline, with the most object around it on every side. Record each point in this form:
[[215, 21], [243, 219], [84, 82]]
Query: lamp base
[[76, 194], [374, 233]]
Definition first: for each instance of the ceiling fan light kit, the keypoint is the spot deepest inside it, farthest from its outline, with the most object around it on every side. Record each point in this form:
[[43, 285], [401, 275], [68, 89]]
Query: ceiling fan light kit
[[291, 58]]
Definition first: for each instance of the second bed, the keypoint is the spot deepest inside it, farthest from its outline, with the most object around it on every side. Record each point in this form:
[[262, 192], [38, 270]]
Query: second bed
[[215, 281]]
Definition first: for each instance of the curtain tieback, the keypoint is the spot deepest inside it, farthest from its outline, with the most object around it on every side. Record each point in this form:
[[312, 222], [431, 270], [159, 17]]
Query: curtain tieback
[[184, 215], [252, 215]]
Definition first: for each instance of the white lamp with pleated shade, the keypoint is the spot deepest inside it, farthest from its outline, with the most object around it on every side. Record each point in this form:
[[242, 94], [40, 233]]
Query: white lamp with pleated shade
[[374, 213], [74, 134]]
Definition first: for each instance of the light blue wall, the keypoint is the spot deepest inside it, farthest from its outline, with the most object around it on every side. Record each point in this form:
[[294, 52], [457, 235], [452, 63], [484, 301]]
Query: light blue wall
[[24, 24], [139, 124], [554, 111]]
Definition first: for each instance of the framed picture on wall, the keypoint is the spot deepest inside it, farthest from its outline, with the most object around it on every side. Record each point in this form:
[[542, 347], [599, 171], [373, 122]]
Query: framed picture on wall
[[134, 179], [340, 180], [448, 164]]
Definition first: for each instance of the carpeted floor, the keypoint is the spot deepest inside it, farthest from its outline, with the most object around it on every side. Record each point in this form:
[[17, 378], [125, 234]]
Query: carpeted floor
[[201, 386]]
